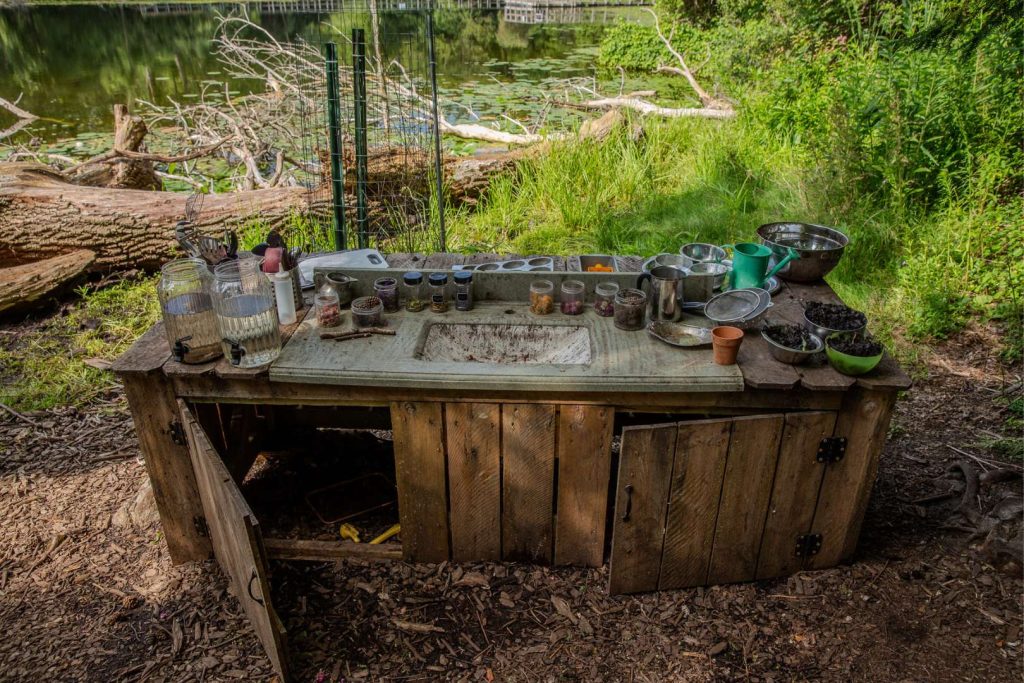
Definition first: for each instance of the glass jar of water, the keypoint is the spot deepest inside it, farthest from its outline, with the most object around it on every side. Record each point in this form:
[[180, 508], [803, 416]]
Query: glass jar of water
[[187, 308], [246, 313]]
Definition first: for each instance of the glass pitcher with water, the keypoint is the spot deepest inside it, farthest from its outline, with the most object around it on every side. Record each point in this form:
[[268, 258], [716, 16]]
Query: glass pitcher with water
[[246, 313], [187, 309]]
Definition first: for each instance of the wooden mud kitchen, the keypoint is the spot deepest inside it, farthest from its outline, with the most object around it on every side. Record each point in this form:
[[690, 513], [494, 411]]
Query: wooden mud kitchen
[[551, 439]]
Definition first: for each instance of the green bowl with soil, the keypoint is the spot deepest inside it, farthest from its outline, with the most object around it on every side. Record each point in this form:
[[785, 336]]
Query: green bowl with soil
[[823, 320], [791, 344], [853, 354]]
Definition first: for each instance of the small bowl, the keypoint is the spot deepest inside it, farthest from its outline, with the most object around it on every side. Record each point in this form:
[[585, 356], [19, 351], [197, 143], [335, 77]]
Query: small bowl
[[784, 354], [702, 252], [851, 365], [824, 332], [717, 270]]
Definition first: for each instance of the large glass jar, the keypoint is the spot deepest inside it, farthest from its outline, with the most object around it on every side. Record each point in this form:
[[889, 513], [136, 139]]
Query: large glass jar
[[187, 308], [246, 313]]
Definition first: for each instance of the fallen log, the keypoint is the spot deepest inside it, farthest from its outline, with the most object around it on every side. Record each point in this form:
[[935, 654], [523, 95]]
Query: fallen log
[[27, 283]]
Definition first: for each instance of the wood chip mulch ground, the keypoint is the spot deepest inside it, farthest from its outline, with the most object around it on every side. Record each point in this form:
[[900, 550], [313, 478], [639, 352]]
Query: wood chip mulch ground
[[87, 591]]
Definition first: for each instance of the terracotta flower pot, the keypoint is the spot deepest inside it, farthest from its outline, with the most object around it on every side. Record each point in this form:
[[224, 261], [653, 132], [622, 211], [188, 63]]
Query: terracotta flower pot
[[725, 342]]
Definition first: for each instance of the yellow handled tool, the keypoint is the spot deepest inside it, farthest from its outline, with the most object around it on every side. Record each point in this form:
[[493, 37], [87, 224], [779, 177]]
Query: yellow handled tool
[[350, 532], [386, 535]]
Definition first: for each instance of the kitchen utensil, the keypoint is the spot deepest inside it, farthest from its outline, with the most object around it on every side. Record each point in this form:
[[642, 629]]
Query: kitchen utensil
[[666, 297], [537, 263], [850, 365], [359, 258], [341, 284], [702, 281], [824, 332], [598, 263], [749, 304], [679, 334], [725, 342], [750, 264], [701, 252], [820, 249], [784, 354], [674, 260]]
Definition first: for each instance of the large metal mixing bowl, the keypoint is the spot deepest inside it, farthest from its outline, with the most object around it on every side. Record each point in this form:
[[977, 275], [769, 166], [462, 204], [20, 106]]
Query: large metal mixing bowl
[[820, 249]]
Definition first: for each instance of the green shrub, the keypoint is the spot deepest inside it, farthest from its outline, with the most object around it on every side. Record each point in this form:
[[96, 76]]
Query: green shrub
[[633, 47]]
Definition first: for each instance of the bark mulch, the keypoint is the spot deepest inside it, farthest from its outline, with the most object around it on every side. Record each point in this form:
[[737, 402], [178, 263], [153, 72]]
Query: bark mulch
[[87, 591]]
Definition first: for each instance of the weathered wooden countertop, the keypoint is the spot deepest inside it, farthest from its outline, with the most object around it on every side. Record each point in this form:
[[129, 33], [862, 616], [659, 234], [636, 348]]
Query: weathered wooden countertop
[[756, 369]]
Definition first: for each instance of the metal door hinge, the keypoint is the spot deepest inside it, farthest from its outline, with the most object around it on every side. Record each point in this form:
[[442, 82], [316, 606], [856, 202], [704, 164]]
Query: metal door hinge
[[201, 528], [177, 432], [831, 449], [808, 544]]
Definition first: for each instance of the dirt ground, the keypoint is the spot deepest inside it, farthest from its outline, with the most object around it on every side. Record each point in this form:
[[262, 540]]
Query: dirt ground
[[87, 591]]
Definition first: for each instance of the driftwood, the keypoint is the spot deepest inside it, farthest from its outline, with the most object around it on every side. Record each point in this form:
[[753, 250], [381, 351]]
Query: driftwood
[[24, 285], [125, 166]]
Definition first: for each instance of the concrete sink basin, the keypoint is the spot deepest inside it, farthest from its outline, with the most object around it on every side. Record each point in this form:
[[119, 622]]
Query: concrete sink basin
[[506, 343]]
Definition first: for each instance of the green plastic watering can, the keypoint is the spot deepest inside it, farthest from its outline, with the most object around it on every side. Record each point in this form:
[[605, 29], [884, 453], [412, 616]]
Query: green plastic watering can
[[750, 264]]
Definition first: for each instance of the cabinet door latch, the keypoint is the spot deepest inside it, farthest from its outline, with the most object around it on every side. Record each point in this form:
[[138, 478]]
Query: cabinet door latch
[[808, 544], [177, 432], [831, 449]]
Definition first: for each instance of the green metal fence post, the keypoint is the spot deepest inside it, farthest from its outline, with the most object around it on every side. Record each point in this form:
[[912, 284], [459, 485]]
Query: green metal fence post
[[334, 139], [438, 174], [359, 90]]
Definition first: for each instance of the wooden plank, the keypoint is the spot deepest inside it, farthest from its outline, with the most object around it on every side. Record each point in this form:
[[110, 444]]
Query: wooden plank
[[528, 481], [846, 487], [155, 414], [148, 353], [418, 432], [407, 260], [584, 471], [795, 492], [244, 431], [746, 488], [701, 451], [441, 261], [327, 551], [473, 434], [645, 473], [760, 370], [237, 542]]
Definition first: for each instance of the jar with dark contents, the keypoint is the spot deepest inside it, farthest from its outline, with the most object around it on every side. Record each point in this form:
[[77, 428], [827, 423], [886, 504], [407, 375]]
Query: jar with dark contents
[[386, 289], [438, 283], [604, 299], [542, 297], [629, 308], [328, 310], [463, 290], [571, 300], [412, 291], [366, 311]]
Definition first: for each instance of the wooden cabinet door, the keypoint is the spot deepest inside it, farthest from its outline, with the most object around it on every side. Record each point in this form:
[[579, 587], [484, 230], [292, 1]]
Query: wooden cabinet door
[[237, 541], [715, 501]]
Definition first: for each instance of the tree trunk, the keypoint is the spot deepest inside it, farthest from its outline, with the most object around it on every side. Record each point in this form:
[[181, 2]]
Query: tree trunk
[[42, 215], [26, 284]]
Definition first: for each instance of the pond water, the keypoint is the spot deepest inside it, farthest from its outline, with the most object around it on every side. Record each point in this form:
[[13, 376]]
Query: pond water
[[70, 64]]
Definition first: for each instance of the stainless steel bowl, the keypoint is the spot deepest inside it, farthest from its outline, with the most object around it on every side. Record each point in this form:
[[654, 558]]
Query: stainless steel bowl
[[824, 332], [820, 249], [784, 354], [702, 252], [718, 271], [674, 260]]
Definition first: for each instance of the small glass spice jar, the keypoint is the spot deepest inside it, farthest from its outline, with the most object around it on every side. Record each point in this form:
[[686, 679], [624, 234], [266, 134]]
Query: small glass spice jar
[[366, 311], [386, 289], [542, 297], [438, 283], [412, 291], [328, 308], [604, 299], [571, 301], [630, 306], [463, 290]]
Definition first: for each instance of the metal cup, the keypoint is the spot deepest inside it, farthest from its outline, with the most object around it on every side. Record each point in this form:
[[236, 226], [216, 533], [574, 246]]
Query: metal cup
[[666, 292]]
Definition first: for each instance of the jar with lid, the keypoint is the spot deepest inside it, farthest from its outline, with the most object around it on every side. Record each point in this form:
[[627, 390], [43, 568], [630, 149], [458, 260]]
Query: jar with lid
[[412, 291], [438, 283], [542, 300], [571, 300], [246, 313], [386, 289], [604, 299], [328, 307], [463, 290], [366, 311], [187, 308]]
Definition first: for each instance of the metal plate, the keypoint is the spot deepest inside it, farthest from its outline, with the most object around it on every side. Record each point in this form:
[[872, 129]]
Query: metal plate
[[679, 334]]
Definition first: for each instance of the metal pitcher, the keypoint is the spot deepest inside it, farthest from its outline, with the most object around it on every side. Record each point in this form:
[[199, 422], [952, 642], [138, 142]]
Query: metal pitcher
[[666, 292]]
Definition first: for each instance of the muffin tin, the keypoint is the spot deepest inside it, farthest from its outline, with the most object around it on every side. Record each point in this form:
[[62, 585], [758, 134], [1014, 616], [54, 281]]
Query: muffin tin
[[538, 263]]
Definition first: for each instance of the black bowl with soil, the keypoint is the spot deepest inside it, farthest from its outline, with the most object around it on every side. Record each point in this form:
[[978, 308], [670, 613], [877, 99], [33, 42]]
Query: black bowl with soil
[[824, 319], [791, 344]]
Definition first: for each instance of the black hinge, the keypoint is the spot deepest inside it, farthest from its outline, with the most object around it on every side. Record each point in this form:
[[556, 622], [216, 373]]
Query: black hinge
[[177, 432], [201, 528], [808, 544], [831, 449]]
